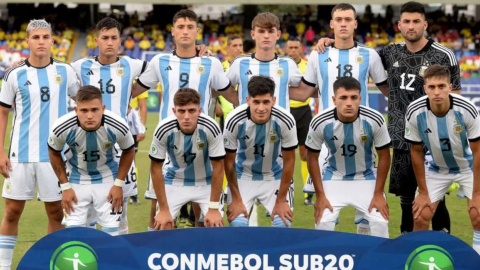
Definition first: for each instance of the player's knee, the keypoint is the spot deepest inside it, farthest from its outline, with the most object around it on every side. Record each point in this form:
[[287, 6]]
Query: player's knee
[[54, 211], [475, 218], [423, 220], [12, 213], [239, 221], [279, 223]]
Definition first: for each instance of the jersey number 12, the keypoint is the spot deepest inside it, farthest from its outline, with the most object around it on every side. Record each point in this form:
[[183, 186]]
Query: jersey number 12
[[411, 78]]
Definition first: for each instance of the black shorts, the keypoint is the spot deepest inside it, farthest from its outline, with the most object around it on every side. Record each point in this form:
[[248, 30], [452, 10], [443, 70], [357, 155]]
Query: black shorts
[[303, 116], [402, 177], [136, 143]]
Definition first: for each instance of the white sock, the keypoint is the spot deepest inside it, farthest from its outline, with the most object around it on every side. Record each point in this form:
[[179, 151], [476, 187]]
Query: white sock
[[325, 226], [379, 229], [150, 229], [7, 244], [476, 241]]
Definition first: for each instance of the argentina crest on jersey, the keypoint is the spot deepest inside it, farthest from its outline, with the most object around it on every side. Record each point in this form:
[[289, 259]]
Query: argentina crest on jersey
[[107, 145], [58, 78], [200, 143], [272, 136], [280, 72], [457, 128], [359, 59], [200, 69], [363, 136], [423, 68]]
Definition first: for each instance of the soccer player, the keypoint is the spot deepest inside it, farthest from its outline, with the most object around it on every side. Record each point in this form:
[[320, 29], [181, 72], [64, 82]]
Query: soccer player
[[38, 88], [260, 139], [301, 111], [350, 132], [114, 77], [194, 171], [283, 70], [95, 177], [183, 68], [449, 126]]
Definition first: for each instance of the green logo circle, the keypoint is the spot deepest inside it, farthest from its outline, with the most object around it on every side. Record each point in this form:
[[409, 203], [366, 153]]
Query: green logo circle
[[429, 257], [152, 101], [74, 255]]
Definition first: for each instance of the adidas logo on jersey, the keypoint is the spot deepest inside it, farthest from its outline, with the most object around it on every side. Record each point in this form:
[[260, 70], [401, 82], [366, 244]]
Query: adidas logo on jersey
[[249, 72], [76, 144], [27, 83], [328, 60], [245, 137], [427, 131], [175, 147], [90, 72], [334, 138], [168, 68], [395, 64]]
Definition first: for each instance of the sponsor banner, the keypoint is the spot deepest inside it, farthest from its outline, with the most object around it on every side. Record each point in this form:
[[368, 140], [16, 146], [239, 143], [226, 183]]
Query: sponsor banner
[[248, 249]]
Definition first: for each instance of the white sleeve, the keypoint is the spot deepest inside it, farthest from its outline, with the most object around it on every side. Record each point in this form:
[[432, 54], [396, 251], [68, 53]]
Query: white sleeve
[[151, 76], [137, 123], [472, 124], [289, 136], [230, 141], [376, 69], [8, 91], [73, 82], [314, 138], [56, 143], [219, 81], [381, 137], [295, 74], [216, 150], [77, 67], [411, 130], [158, 149], [310, 76], [233, 73], [125, 141]]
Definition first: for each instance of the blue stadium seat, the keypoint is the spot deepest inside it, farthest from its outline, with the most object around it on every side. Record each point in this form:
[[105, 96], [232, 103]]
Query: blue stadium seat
[[129, 53]]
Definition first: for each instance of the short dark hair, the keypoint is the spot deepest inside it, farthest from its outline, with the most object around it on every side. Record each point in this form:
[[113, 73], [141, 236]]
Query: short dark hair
[[344, 6], [185, 96], [107, 23], [231, 38], [294, 39], [266, 20], [260, 85], [436, 71], [348, 83], [185, 14], [88, 93], [248, 45], [412, 7]]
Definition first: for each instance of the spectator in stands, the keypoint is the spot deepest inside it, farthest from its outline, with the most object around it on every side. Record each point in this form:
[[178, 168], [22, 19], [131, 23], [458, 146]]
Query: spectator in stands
[[145, 44], [310, 36], [129, 43], [300, 27], [160, 44]]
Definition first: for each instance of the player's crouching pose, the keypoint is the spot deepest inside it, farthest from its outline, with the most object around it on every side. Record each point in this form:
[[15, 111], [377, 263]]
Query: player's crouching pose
[[350, 178], [194, 170], [260, 138], [449, 126], [91, 133]]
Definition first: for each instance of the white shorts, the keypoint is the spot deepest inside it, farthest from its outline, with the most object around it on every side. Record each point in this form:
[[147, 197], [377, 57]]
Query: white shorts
[[26, 177], [178, 196], [265, 191], [358, 194], [438, 184], [130, 187], [95, 194]]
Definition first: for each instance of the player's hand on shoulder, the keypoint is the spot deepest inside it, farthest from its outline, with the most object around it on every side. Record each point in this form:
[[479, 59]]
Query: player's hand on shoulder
[[236, 208], [140, 137], [213, 218], [421, 201], [14, 65], [283, 210], [68, 198], [203, 50], [380, 203], [163, 220], [115, 197], [5, 165], [321, 204], [323, 43]]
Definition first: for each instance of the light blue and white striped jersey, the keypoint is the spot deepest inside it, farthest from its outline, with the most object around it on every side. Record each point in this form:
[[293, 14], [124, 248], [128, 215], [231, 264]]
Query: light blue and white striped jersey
[[189, 155], [92, 152], [174, 72], [40, 97], [359, 62], [350, 145], [259, 147], [446, 137], [282, 69], [115, 80]]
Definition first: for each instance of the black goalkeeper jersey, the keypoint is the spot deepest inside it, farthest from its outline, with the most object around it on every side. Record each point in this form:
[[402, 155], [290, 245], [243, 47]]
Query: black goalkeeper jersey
[[405, 81]]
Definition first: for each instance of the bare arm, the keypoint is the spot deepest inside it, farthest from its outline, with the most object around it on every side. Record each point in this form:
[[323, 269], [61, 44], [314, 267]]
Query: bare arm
[[382, 171], [302, 92], [4, 161], [159, 184], [217, 179], [418, 164], [287, 174], [231, 95], [142, 104], [231, 174], [384, 89], [475, 147], [314, 170], [218, 109], [58, 165], [125, 163], [137, 89]]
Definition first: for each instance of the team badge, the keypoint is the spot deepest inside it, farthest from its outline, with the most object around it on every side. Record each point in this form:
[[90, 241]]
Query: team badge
[[120, 72], [272, 137], [8, 185], [407, 131], [107, 145], [363, 136], [50, 139], [226, 142], [58, 79], [200, 144], [280, 72], [200, 69], [458, 129], [309, 138], [423, 68], [153, 150], [359, 59]]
